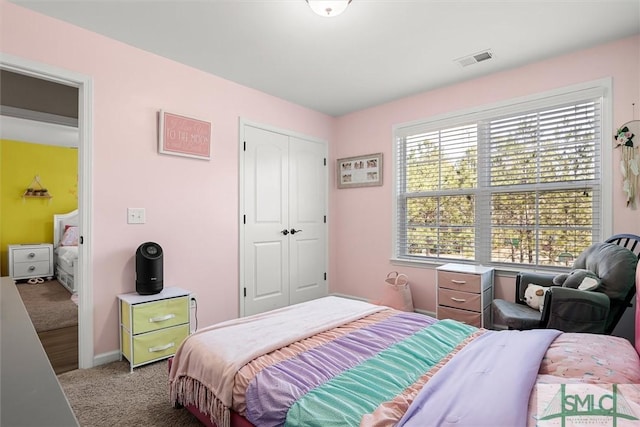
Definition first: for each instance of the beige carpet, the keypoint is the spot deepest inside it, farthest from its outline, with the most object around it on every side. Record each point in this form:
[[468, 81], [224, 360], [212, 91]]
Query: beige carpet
[[109, 395], [49, 305]]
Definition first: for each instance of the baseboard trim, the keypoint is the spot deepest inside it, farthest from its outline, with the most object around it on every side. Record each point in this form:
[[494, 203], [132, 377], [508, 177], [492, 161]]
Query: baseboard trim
[[104, 358]]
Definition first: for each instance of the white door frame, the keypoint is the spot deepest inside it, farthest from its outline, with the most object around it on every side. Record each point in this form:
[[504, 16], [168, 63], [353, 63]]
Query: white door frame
[[85, 126], [242, 123]]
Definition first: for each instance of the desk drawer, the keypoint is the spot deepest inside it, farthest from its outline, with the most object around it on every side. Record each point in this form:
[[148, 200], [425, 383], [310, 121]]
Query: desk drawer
[[459, 281], [458, 299]]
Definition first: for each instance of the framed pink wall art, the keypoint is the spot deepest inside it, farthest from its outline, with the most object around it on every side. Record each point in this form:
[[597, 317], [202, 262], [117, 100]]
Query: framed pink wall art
[[180, 135]]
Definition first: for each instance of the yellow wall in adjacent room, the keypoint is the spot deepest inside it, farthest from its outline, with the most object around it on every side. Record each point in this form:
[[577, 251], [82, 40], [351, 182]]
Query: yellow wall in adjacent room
[[30, 220]]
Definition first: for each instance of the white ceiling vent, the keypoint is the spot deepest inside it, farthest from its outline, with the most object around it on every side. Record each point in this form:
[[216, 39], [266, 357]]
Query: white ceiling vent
[[465, 61]]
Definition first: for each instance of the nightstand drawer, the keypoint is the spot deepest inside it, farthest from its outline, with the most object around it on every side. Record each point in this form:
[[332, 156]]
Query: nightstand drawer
[[154, 345], [28, 269], [463, 300], [31, 255], [469, 317], [156, 315], [459, 281]]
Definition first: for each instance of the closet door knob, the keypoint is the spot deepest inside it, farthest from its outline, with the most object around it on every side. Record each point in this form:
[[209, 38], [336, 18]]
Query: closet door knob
[[294, 231], [285, 231]]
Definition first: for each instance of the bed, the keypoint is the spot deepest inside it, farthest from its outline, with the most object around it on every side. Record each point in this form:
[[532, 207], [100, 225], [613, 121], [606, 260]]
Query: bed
[[341, 362], [65, 249]]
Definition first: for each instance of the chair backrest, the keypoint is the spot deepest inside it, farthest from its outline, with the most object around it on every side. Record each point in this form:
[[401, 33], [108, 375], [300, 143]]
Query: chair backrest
[[631, 242], [638, 311]]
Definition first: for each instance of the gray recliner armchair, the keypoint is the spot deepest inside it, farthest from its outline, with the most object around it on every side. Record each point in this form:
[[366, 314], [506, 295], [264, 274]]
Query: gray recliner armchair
[[574, 310]]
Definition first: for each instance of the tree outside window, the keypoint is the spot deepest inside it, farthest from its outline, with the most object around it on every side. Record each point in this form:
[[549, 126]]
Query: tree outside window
[[503, 188]]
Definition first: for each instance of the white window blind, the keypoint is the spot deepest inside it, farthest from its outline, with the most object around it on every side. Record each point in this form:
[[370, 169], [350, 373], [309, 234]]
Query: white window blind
[[519, 184]]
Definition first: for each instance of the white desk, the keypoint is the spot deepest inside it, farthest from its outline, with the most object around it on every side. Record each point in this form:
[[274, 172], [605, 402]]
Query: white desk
[[31, 393]]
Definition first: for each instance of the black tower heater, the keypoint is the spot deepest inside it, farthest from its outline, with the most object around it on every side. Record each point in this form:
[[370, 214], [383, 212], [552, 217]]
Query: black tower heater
[[149, 269]]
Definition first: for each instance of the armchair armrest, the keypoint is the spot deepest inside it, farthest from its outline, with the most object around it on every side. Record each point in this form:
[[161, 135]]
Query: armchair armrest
[[523, 279], [573, 310]]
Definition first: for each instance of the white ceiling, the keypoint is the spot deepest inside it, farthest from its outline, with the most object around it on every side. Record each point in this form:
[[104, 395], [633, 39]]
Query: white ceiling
[[377, 51]]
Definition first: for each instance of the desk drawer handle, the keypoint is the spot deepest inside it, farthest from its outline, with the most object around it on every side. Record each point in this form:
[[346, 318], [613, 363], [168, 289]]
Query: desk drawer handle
[[458, 299], [32, 254], [32, 267], [161, 347], [459, 282], [162, 318]]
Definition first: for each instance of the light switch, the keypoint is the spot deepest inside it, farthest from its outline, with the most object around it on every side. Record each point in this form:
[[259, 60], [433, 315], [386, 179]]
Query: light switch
[[136, 216]]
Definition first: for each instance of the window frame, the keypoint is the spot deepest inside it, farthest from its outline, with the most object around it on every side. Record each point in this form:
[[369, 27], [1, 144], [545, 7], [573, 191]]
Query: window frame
[[601, 89]]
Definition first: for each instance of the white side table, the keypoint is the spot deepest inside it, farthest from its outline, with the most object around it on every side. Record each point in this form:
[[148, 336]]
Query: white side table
[[31, 261]]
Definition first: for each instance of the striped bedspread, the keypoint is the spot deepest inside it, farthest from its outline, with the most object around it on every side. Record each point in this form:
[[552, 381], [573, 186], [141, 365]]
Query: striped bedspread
[[365, 364], [374, 366], [366, 370]]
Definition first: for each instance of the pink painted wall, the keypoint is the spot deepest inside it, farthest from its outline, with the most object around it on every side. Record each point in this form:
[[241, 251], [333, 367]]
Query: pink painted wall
[[191, 205], [361, 233]]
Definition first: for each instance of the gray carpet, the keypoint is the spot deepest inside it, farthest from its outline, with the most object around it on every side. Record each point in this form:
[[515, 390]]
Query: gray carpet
[[109, 395], [49, 305]]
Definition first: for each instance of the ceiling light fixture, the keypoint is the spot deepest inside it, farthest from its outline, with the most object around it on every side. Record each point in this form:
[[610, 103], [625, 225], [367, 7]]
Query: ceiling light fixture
[[328, 8]]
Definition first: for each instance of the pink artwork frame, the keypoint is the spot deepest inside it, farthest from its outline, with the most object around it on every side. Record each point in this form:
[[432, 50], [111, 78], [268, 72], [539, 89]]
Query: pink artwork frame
[[184, 136]]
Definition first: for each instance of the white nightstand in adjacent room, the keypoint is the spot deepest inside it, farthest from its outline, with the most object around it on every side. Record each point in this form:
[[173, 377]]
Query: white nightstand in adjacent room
[[465, 293], [153, 326], [30, 261]]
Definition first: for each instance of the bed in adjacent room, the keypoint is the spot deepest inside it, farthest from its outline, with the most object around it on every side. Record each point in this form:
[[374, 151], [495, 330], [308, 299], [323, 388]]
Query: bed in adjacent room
[[342, 362], [65, 249]]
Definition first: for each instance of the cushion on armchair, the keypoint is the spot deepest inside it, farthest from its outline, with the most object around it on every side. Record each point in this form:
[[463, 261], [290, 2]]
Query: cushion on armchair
[[515, 316]]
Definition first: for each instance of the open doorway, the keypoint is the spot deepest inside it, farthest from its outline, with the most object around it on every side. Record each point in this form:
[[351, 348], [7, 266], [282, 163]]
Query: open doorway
[[40, 163], [37, 77]]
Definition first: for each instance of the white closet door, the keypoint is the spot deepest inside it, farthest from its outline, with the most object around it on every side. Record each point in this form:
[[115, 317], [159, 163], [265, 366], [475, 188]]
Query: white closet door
[[284, 254], [307, 220], [266, 201]]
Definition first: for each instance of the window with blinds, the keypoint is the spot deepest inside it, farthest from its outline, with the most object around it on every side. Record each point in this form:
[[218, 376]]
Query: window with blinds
[[519, 184]]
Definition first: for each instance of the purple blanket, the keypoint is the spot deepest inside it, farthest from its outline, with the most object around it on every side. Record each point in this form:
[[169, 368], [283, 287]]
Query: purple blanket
[[487, 383]]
